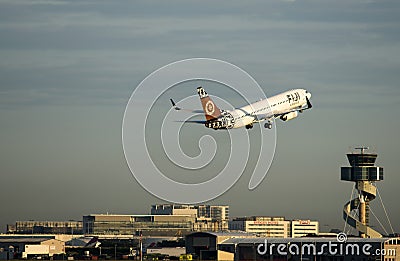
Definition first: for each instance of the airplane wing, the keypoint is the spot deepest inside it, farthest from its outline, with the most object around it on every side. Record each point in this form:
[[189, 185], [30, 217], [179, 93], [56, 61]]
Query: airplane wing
[[193, 121], [263, 117]]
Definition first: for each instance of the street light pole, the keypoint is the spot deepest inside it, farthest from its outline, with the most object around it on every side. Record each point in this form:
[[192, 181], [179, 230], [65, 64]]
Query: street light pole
[[141, 249]]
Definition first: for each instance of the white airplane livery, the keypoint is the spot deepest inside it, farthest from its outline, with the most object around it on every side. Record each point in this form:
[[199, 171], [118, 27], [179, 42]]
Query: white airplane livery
[[285, 106]]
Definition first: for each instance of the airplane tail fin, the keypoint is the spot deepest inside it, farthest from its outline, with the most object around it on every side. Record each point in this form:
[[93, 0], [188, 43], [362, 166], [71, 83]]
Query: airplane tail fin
[[210, 109]]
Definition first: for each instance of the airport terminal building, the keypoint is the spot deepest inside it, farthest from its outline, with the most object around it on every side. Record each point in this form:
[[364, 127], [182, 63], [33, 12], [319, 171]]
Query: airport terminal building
[[46, 227], [164, 220], [207, 217], [146, 225]]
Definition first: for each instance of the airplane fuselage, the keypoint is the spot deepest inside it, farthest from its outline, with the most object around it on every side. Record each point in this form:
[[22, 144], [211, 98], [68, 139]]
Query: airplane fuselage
[[285, 106]]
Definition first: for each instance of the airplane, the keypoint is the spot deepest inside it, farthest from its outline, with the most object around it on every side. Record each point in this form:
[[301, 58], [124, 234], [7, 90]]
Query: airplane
[[285, 106]]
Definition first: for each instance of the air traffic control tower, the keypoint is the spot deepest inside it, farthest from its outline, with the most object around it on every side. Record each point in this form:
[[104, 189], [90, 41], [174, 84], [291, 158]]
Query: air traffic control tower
[[364, 174]]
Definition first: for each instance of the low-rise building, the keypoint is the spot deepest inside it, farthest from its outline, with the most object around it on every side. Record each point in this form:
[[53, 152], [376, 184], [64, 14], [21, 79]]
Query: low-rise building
[[207, 217], [161, 225], [172, 209], [312, 248], [204, 245], [301, 228], [391, 249], [45, 227], [25, 247], [275, 226], [263, 226]]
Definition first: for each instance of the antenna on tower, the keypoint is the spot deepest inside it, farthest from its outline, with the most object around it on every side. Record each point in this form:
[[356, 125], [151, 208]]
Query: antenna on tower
[[362, 149]]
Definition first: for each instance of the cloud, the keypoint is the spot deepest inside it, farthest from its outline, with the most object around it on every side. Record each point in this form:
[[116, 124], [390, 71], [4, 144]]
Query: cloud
[[96, 47], [35, 2]]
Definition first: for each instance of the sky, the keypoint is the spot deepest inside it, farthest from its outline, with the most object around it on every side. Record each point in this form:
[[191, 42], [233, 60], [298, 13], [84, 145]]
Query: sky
[[68, 68]]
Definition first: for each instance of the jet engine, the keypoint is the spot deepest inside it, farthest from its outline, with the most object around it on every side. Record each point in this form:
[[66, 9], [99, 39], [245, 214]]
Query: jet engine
[[289, 116]]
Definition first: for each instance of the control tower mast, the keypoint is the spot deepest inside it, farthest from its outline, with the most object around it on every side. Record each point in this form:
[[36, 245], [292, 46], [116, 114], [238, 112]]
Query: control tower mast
[[364, 174]]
